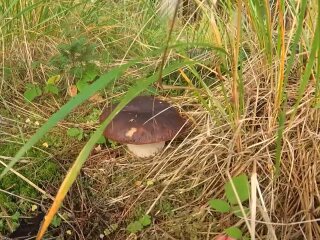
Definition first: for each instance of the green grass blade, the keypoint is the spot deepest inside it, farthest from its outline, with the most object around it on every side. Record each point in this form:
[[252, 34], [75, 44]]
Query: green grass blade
[[306, 75], [216, 103], [103, 81], [141, 85], [25, 10], [56, 15], [259, 13], [11, 6], [296, 39]]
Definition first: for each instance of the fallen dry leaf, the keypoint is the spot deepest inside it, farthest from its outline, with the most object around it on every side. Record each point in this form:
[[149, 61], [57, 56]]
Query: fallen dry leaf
[[73, 90], [98, 148]]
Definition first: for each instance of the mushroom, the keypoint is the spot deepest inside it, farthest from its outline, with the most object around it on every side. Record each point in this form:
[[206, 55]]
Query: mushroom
[[144, 125]]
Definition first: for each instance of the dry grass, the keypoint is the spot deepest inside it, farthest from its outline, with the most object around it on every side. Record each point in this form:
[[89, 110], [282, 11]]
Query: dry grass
[[175, 187], [192, 171]]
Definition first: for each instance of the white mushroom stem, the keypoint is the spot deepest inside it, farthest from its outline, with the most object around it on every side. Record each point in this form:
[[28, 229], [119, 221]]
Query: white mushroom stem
[[146, 150]]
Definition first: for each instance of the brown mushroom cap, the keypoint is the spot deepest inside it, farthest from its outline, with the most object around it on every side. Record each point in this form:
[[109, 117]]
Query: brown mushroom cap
[[144, 120]]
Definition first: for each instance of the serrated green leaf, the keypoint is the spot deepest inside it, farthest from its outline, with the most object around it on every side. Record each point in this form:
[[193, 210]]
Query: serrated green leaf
[[145, 220], [75, 132], [90, 73], [53, 79], [241, 185], [233, 232], [219, 205], [56, 221], [32, 92], [134, 227], [50, 88]]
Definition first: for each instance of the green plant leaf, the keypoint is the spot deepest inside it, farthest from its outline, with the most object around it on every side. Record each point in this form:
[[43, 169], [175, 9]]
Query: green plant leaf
[[75, 132], [53, 80], [113, 144], [233, 232], [219, 205], [101, 140], [145, 220], [50, 88], [15, 216], [81, 85], [56, 221], [32, 91], [134, 227], [241, 185], [236, 210], [90, 73]]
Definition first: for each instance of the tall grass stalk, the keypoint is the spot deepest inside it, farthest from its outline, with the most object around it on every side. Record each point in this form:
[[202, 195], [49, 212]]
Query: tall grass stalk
[[292, 47], [237, 84], [260, 20], [208, 92], [279, 89], [309, 67]]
